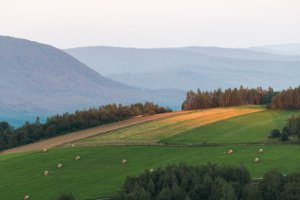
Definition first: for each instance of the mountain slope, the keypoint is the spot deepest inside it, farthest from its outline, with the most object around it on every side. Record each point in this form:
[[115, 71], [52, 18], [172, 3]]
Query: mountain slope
[[37, 78], [191, 67]]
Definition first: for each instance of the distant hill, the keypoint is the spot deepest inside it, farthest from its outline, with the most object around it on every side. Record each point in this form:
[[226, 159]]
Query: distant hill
[[191, 67], [38, 79], [284, 49]]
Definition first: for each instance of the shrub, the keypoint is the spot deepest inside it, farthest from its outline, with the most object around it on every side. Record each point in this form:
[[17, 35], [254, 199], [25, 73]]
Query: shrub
[[286, 130], [284, 137], [275, 133]]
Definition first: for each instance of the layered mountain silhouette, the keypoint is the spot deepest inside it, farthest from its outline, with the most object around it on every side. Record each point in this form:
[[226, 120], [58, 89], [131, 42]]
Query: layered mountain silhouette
[[37, 78], [192, 67]]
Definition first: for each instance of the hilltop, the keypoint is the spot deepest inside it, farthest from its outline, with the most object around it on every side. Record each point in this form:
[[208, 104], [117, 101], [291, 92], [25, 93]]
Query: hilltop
[[36, 79]]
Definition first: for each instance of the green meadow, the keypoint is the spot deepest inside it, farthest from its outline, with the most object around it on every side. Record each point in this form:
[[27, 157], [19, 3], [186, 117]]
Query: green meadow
[[250, 128], [99, 173]]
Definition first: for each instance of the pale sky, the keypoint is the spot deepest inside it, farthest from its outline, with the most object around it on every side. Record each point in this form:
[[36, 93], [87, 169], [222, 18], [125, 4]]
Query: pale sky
[[152, 23]]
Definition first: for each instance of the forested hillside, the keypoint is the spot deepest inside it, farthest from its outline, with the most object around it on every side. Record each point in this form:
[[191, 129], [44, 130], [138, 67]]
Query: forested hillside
[[67, 122]]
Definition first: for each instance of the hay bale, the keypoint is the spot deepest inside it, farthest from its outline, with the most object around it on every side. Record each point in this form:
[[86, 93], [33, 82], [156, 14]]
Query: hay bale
[[151, 170], [256, 160], [45, 150], [260, 151], [46, 173], [77, 157], [73, 145], [124, 161], [26, 197], [230, 151], [59, 166]]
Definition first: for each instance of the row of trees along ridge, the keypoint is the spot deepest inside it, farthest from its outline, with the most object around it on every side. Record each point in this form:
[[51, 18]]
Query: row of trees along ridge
[[68, 122], [228, 97]]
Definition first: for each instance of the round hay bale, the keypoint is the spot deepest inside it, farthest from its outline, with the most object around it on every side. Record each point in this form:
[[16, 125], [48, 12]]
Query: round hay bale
[[124, 161], [151, 170], [230, 151], [26, 197], [46, 173], [256, 160], [73, 145], [59, 166], [45, 150], [260, 151], [77, 157]]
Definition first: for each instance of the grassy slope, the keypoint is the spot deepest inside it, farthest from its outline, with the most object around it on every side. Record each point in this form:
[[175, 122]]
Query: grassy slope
[[250, 128], [153, 131], [99, 172]]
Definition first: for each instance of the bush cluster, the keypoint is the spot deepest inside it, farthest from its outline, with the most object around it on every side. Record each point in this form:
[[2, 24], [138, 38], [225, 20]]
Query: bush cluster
[[209, 182], [291, 129]]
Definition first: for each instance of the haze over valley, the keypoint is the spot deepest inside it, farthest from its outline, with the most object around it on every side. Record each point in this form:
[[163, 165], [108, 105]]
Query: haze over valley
[[206, 68]]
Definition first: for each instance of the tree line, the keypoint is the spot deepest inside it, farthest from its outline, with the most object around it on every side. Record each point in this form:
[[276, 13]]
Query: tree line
[[228, 97], [209, 182], [68, 122], [287, 99]]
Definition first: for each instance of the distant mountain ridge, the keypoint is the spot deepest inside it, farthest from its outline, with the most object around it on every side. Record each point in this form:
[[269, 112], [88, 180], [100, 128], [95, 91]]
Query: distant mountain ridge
[[292, 49], [38, 78], [191, 67]]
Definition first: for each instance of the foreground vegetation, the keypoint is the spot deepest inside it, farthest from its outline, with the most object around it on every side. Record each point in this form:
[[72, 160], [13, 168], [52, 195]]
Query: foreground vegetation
[[99, 173], [211, 182], [67, 122]]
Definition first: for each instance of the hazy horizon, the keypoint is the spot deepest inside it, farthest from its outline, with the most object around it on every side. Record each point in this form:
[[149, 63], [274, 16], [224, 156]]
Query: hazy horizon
[[152, 24]]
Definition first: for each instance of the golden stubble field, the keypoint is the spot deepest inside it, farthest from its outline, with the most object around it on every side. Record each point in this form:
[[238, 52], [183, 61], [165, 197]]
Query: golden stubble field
[[153, 131]]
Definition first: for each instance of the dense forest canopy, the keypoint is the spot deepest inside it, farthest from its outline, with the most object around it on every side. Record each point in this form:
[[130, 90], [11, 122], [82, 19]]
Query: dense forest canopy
[[228, 97], [67, 122], [209, 182], [285, 99]]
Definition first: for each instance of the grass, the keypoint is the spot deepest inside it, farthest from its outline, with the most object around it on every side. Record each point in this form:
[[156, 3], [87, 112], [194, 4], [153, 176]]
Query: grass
[[154, 131], [100, 174], [250, 128]]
